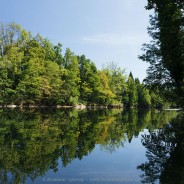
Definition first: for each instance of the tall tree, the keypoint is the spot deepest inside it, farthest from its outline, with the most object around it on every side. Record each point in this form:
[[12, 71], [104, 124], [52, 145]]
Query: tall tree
[[132, 92], [144, 98], [71, 77], [90, 81], [12, 34], [106, 96], [165, 53], [32, 86], [117, 81]]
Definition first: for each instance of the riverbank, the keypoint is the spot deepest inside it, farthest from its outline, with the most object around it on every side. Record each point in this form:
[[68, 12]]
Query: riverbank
[[78, 106], [174, 109]]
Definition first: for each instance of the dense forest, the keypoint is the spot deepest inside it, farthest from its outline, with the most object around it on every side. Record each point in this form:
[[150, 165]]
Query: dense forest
[[33, 71]]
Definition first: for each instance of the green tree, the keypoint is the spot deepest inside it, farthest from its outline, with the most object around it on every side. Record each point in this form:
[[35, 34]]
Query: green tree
[[71, 78], [132, 95], [6, 83], [117, 82], [32, 86], [90, 82], [106, 96], [52, 91], [165, 52], [144, 98], [12, 35]]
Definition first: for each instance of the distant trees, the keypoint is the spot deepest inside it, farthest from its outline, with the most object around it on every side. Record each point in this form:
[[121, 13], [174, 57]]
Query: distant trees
[[34, 72], [138, 95]]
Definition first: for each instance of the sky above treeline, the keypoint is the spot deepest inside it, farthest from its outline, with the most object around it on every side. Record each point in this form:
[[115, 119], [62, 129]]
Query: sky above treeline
[[102, 30]]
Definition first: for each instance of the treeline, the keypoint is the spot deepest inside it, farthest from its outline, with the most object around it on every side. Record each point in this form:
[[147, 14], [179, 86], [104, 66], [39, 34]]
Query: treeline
[[33, 71]]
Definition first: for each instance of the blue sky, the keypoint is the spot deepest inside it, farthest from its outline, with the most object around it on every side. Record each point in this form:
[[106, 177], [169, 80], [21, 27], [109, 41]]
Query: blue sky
[[103, 30]]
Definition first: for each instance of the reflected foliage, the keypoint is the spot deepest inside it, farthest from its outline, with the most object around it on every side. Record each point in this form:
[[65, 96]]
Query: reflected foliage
[[32, 142], [165, 154]]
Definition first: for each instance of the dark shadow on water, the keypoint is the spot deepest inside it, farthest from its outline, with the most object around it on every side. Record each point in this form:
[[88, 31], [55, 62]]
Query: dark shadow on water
[[165, 154]]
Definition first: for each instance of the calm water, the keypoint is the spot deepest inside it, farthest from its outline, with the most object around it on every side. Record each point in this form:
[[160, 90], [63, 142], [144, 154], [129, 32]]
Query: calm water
[[69, 146]]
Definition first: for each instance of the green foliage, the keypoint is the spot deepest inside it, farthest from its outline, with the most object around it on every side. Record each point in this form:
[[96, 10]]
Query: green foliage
[[90, 81], [132, 92], [117, 82], [106, 95], [165, 51], [34, 72], [71, 78], [144, 97]]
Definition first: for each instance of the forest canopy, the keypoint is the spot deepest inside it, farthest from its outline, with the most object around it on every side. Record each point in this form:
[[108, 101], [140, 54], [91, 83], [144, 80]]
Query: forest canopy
[[33, 71]]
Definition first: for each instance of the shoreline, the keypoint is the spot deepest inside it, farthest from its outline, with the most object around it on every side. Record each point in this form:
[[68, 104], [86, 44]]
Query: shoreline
[[79, 107]]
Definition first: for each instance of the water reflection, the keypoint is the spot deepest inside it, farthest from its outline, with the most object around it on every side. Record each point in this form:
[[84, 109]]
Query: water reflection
[[165, 154], [32, 142]]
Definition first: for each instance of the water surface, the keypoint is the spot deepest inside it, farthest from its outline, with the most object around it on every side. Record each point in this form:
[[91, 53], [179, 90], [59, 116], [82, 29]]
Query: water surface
[[69, 146]]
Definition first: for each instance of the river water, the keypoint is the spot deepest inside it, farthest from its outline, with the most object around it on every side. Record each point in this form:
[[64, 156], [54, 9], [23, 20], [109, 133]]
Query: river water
[[96, 146]]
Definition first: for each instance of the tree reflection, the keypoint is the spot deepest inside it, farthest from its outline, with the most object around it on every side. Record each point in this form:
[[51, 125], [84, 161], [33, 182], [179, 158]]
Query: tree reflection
[[32, 142], [165, 154]]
